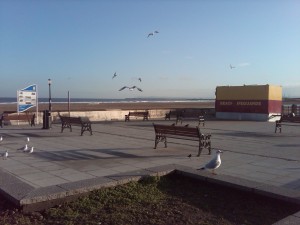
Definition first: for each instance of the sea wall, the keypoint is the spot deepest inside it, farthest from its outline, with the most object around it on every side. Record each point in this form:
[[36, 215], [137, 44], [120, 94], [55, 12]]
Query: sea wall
[[109, 115]]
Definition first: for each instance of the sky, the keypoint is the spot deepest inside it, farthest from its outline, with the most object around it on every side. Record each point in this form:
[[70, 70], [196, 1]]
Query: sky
[[80, 44]]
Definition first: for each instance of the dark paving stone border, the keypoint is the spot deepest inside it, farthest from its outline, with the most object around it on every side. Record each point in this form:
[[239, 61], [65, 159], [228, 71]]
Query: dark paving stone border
[[33, 199]]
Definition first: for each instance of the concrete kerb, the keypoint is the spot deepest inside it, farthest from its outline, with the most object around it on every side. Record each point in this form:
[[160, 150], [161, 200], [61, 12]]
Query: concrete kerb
[[30, 199]]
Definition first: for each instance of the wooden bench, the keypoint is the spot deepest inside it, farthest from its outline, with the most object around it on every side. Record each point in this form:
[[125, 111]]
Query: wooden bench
[[171, 114], [199, 116], [68, 122], [144, 115], [287, 120], [7, 117], [162, 132]]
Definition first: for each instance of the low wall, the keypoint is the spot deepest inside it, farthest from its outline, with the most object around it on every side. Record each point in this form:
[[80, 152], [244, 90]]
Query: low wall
[[109, 115], [247, 116]]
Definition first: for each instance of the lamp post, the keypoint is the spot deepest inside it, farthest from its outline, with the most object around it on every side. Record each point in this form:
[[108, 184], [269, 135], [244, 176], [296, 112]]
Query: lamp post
[[50, 106]]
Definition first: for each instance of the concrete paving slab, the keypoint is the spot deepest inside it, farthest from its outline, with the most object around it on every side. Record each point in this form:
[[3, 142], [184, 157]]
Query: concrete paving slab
[[65, 163]]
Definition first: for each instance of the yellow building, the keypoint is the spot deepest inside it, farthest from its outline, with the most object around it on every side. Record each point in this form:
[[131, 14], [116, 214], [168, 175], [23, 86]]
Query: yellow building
[[248, 102]]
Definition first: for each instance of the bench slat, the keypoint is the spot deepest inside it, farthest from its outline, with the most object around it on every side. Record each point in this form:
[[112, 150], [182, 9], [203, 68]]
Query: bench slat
[[162, 132], [176, 130], [68, 122], [144, 114], [30, 118]]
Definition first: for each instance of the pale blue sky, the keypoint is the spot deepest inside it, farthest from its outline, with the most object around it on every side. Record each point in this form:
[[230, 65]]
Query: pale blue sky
[[81, 44]]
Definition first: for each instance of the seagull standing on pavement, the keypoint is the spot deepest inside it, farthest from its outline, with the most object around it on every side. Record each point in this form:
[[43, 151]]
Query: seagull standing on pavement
[[28, 139], [31, 150], [5, 155], [1, 139], [214, 163], [25, 149]]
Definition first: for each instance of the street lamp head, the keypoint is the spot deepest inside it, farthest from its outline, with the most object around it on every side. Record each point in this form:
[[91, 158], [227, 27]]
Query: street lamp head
[[49, 81]]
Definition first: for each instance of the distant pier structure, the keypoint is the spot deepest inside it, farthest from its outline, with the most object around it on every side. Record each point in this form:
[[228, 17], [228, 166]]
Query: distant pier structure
[[248, 102]]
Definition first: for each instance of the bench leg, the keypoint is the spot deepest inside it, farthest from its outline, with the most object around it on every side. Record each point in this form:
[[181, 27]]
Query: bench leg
[[209, 147], [203, 123], [126, 118], [204, 142], [86, 128], [66, 125], [200, 150], [277, 126], [158, 139]]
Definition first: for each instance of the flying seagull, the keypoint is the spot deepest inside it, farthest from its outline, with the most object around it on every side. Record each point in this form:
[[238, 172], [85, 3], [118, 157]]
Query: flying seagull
[[131, 88], [139, 89], [214, 163], [140, 79], [231, 67], [152, 33], [115, 74], [121, 89]]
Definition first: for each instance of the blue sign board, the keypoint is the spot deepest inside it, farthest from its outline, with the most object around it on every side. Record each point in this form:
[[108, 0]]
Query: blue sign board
[[27, 98]]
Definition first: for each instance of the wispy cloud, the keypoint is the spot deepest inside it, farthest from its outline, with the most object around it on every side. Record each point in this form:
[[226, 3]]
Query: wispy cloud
[[243, 64], [185, 77], [164, 77]]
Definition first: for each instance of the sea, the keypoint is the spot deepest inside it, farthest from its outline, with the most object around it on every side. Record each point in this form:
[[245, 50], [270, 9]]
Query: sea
[[11, 100]]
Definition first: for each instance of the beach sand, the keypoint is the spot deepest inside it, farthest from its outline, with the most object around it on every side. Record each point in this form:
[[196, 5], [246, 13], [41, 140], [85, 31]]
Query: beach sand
[[126, 106], [111, 106]]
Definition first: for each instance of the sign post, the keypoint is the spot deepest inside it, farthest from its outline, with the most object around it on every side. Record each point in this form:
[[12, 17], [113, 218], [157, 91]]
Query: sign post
[[27, 98]]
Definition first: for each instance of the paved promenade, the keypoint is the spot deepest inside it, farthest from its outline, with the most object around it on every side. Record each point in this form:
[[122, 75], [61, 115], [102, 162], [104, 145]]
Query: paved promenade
[[252, 151]]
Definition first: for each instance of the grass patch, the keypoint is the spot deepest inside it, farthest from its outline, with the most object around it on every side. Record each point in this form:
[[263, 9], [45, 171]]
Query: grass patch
[[172, 199]]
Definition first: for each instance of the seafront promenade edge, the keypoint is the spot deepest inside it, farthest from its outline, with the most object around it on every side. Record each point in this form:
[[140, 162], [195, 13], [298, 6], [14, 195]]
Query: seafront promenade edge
[[66, 163]]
